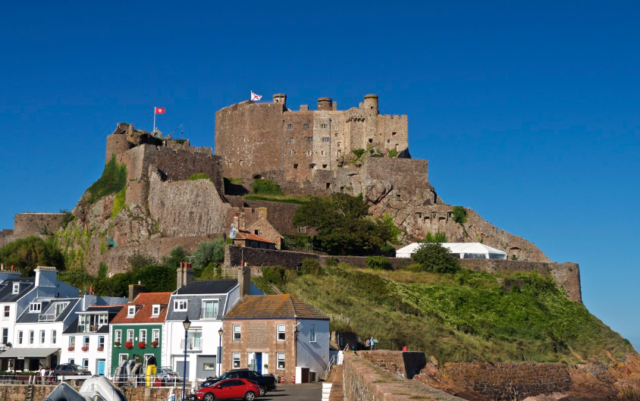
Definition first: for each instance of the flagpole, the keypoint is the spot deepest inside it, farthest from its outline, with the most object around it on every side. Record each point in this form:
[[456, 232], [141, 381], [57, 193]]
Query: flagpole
[[154, 119]]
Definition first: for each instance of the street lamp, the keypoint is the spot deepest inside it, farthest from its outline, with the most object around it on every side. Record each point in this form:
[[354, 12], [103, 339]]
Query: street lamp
[[220, 353], [186, 325], [296, 332]]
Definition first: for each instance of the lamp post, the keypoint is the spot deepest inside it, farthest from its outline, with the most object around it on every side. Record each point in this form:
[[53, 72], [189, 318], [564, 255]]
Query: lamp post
[[296, 332], [186, 325], [220, 353]]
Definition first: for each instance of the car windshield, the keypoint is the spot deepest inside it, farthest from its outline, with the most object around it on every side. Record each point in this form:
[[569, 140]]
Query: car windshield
[[77, 367]]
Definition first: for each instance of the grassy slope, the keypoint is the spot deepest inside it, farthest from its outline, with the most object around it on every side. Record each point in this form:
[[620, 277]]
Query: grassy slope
[[464, 317]]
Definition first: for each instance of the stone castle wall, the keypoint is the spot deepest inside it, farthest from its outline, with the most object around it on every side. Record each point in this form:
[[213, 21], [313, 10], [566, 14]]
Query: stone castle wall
[[26, 224]]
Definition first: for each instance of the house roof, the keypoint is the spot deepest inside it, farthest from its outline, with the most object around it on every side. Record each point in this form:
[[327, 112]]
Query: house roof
[[282, 306], [246, 235], [110, 309], [207, 287], [47, 309], [6, 288], [145, 301]]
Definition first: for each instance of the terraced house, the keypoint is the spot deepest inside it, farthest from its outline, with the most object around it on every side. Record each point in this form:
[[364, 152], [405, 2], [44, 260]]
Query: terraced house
[[136, 332]]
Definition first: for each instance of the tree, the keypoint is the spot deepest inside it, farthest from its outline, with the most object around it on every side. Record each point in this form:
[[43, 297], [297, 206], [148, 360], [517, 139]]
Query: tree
[[459, 214], [208, 252], [438, 237], [177, 255], [435, 258], [28, 253], [344, 226]]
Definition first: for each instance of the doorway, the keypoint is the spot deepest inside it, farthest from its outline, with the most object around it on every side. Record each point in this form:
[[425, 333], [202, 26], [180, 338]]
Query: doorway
[[100, 367]]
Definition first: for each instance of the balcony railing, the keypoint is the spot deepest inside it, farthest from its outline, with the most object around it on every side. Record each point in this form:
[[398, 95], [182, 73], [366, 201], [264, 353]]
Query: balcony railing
[[49, 317], [193, 344], [88, 328]]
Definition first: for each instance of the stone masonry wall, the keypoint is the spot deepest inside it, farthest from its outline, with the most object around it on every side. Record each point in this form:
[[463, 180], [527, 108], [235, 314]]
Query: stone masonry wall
[[13, 392], [26, 224], [363, 381], [403, 364]]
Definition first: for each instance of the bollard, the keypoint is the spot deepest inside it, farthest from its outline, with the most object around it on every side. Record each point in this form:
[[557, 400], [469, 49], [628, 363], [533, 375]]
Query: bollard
[[293, 379]]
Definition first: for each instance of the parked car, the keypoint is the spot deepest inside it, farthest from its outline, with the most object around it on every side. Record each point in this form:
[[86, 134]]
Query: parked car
[[168, 375], [70, 369], [265, 382], [228, 390]]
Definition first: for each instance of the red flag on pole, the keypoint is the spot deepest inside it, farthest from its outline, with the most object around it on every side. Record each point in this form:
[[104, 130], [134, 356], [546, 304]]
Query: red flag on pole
[[159, 110], [255, 97]]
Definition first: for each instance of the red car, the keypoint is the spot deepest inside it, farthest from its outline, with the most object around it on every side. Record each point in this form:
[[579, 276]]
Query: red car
[[229, 389]]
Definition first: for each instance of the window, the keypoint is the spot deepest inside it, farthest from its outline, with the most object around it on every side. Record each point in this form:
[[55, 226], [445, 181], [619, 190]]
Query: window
[[310, 139], [288, 126], [31, 337], [35, 307], [42, 336], [339, 144], [308, 153], [7, 311], [322, 153], [326, 139], [280, 360], [143, 336], [72, 341], [60, 308], [324, 166], [393, 133], [305, 126], [5, 335], [236, 332], [16, 288], [290, 140], [130, 335], [324, 125], [85, 364], [155, 335], [180, 305], [290, 152], [208, 366], [85, 341], [256, 232], [388, 141], [122, 358], [302, 229], [281, 333], [236, 360], [312, 333], [295, 166], [20, 335], [118, 336], [210, 308], [101, 342], [155, 312], [72, 361], [131, 311]]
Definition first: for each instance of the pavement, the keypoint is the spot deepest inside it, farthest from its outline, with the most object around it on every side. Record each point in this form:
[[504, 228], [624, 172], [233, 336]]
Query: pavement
[[298, 392]]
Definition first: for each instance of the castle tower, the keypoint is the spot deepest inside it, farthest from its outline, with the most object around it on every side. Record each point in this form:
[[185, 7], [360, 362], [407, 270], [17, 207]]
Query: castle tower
[[325, 103], [280, 98], [371, 103]]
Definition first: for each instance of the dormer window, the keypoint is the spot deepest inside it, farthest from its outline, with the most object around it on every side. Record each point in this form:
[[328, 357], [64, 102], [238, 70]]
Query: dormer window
[[35, 307], [16, 288], [131, 311], [155, 311], [180, 305]]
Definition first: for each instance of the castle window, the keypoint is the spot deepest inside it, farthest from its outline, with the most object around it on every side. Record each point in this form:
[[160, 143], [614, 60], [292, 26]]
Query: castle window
[[339, 144], [370, 140], [393, 133], [305, 126], [290, 140], [302, 229], [326, 139], [312, 165], [322, 153], [324, 126], [388, 141], [295, 166], [256, 232], [288, 126], [310, 139], [328, 185], [308, 153], [290, 152], [324, 166], [336, 134]]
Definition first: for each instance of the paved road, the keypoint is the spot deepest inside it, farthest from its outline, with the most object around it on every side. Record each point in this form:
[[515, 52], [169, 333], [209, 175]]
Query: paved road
[[298, 392]]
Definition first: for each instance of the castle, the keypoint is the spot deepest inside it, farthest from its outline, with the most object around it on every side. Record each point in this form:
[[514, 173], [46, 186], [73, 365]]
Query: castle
[[308, 152]]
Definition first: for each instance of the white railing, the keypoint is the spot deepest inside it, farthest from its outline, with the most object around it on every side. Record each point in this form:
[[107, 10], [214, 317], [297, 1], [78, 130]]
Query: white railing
[[47, 318]]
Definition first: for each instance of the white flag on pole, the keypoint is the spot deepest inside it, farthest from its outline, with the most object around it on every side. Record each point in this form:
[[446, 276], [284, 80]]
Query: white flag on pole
[[255, 98]]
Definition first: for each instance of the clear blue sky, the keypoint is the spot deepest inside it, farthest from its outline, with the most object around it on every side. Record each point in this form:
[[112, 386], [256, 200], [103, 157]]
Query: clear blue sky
[[529, 114]]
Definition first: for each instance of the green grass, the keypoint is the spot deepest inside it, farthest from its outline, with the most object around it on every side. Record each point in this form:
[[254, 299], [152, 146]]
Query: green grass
[[200, 176], [113, 180], [266, 187], [299, 200], [463, 317]]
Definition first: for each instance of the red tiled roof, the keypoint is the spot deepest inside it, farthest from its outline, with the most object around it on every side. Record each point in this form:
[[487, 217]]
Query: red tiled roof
[[282, 306], [244, 234], [145, 300]]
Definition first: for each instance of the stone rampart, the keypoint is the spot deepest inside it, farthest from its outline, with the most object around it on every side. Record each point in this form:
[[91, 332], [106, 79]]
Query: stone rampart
[[235, 255], [6, 236], [27, 224], [363, 381], [403, 364]]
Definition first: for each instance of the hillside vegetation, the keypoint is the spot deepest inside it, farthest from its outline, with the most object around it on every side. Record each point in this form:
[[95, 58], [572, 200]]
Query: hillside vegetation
[[464, 316]]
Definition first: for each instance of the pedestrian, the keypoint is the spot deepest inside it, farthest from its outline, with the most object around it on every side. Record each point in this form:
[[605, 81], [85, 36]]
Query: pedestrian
[[151, 370], [51, 372], [368, 343], [372, 343], [43, 375], [404, 349]]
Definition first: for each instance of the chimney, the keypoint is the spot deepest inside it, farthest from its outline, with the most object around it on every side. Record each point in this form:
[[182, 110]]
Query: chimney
[[262, 212], [184, 274], [244, 279], [135, 290], [46, 276]]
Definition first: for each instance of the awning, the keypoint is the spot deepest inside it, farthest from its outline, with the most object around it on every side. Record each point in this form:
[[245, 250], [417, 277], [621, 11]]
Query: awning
[[32, 353]]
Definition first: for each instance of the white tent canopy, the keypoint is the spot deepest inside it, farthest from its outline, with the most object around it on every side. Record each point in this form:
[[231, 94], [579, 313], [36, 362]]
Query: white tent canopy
[[463, 250]]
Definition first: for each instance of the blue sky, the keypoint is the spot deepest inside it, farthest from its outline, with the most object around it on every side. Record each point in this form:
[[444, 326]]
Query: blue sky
[[528, 113]]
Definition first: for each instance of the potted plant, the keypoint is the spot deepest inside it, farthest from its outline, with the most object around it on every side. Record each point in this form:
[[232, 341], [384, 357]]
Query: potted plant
[[85, 348], [154, 344], [266, 366], [100, 348], [142, 344], [117, 343], [71, 348], [128, 345]]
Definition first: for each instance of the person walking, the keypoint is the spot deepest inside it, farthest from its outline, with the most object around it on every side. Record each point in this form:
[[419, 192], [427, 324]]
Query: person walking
[[43, 375], [372, 343], [151, 370], [367, 344]]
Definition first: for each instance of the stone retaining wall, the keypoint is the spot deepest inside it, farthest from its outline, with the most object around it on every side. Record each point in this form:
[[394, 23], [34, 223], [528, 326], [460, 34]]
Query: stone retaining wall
[[13, 392], [403, 364]]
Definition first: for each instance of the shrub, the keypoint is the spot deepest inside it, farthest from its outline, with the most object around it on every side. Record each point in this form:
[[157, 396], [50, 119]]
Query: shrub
[[358, 152], [119, 202], [459, 214], [436, 259], [378, 263], [200, 176], [102, 270], [138, 261], [113, 180], [27, 253], [209, 252], [311, 266], [392, 153], [438, 237], [270, 187], [273, 274], [67, 218], [177, 255]]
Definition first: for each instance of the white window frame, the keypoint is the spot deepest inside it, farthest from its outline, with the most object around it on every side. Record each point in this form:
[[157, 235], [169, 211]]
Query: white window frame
[[235, 360], [101, 341], [120, 360], [181, 305], [35, 307], [281, 332], [6, 311], [16, 288], [54, 336], [85, 363], [155, 335], [216, 308], [312, 333], [131, 311], [143, 336], [133, 335], [43, 336], [4, 341], [155, 310], [72, 341], [20, 337], [117, 336], [279, 360], [238, 332], [32, 337]]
